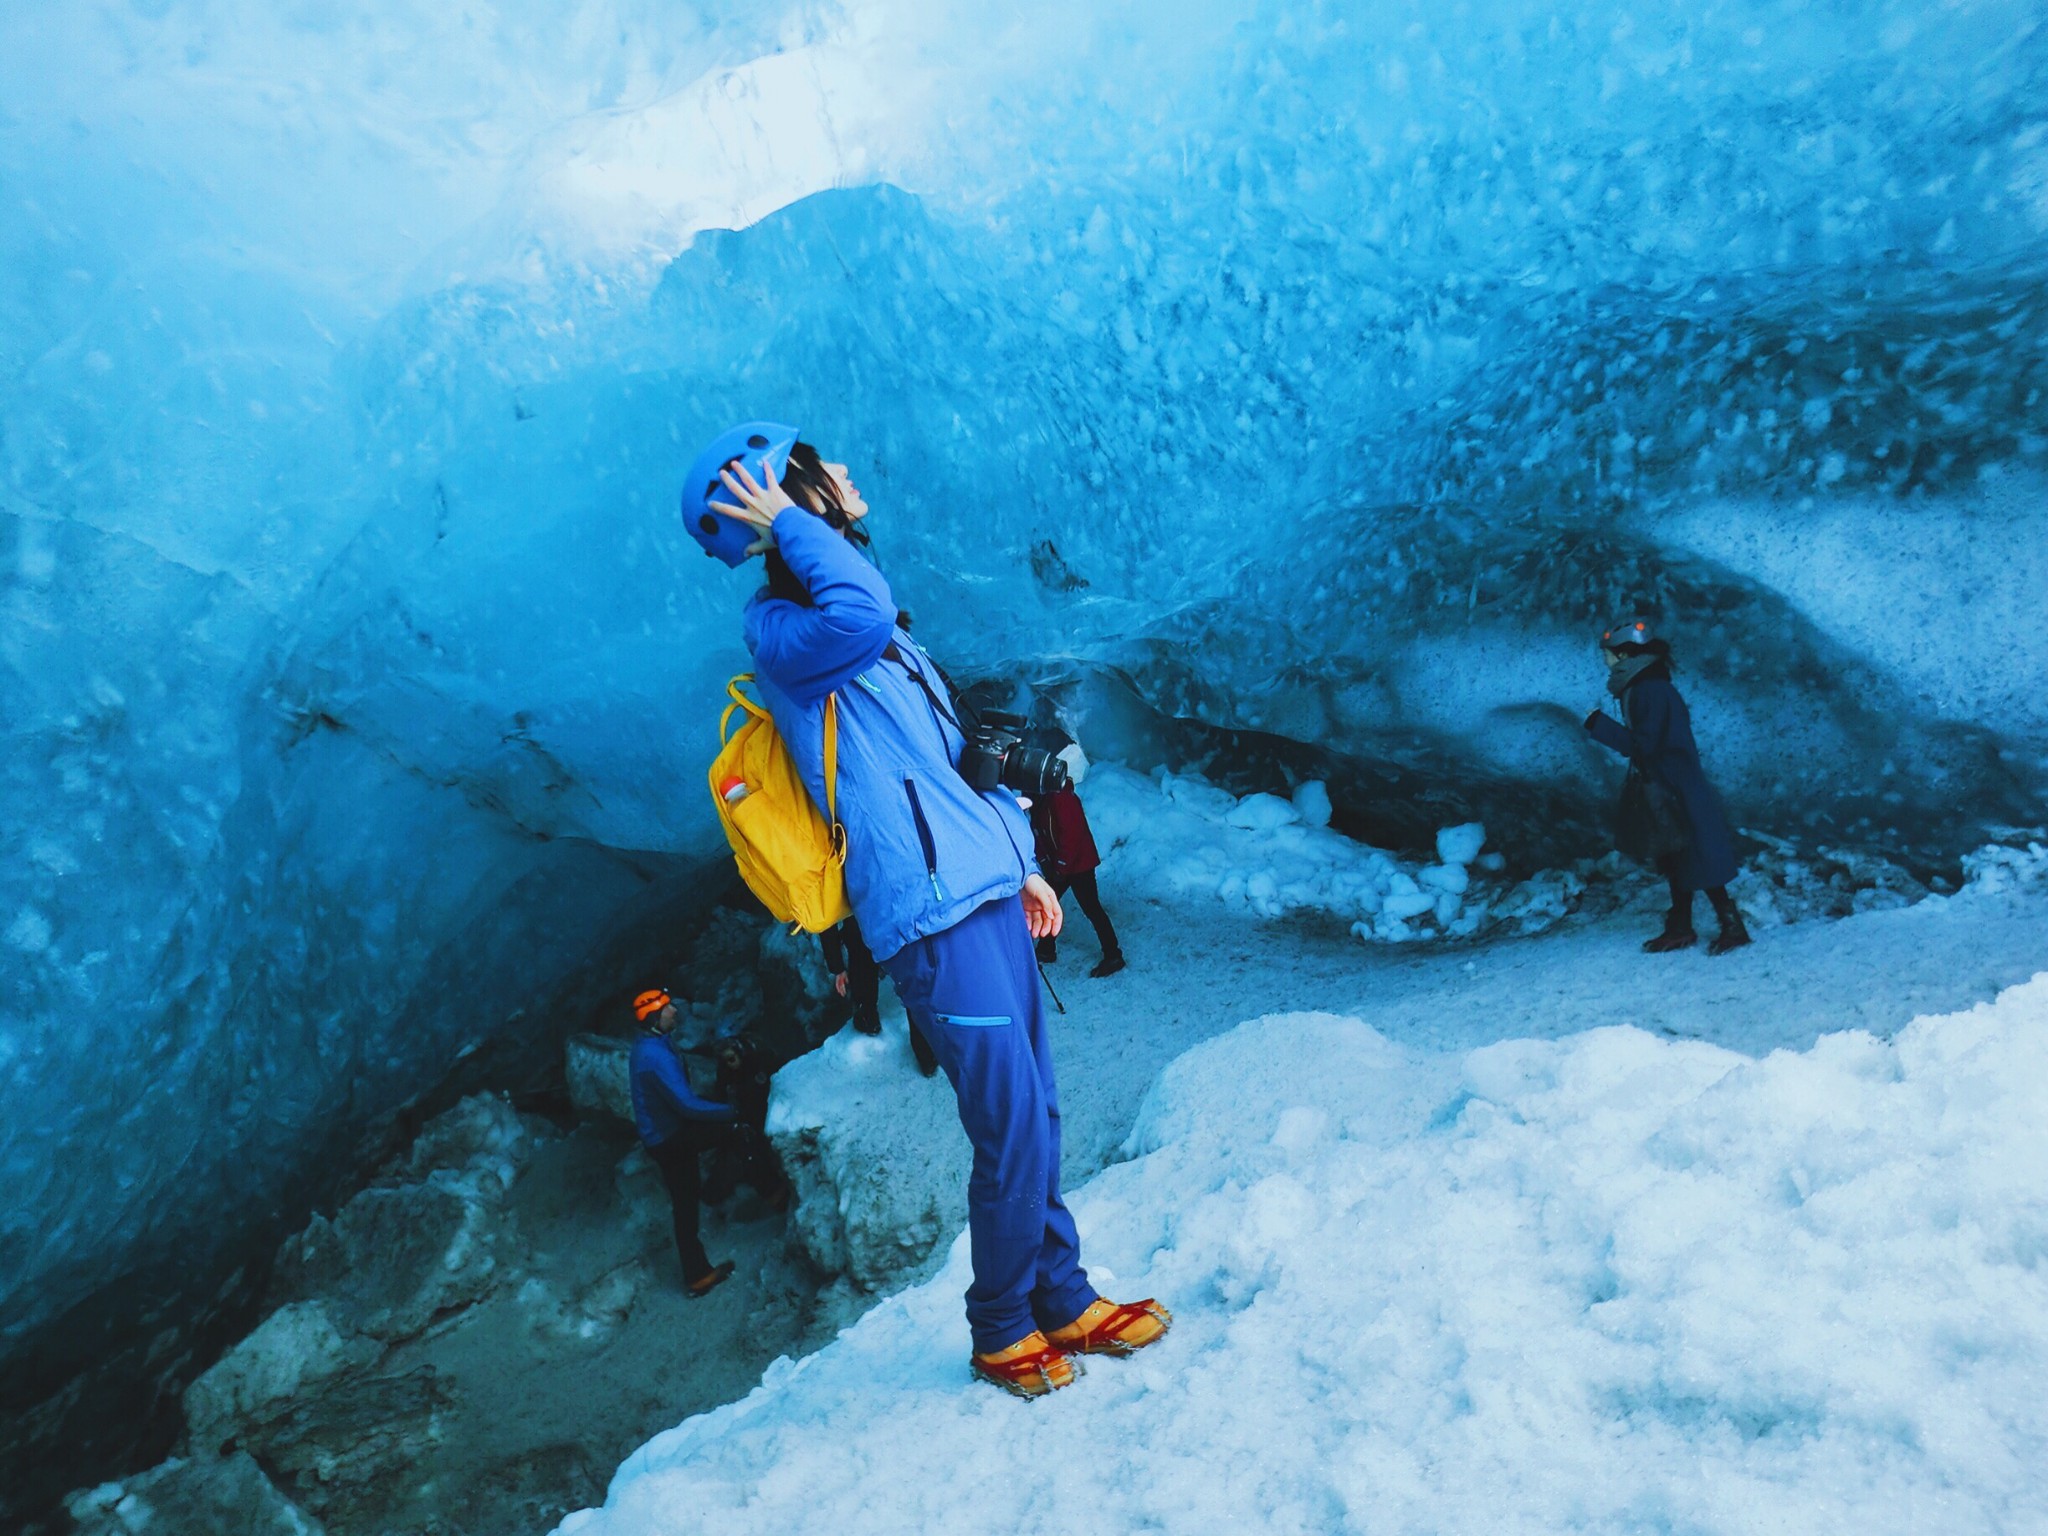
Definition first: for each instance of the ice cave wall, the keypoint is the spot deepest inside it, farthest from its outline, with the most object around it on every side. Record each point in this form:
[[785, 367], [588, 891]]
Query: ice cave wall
[[1326, 369]]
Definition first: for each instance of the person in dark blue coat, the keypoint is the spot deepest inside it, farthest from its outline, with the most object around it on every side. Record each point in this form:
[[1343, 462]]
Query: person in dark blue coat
[[1655, 734], [942, 880], [676, 1127]]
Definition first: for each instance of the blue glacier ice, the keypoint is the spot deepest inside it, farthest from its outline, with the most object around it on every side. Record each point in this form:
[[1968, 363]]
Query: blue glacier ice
[[1328, 370]]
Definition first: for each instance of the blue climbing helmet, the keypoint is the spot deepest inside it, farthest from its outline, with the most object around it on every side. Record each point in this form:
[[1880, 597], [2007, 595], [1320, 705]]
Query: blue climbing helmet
[[763, 448], [1627, 632]]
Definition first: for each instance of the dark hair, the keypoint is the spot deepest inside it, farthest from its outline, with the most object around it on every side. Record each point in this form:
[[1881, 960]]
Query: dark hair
[[809, 485]]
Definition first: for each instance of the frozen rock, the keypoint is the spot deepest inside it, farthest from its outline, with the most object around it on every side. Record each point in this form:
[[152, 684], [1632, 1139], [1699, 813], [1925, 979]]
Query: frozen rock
[[359, 1430], [874, 1154], [600, 1075], [1262, 813], [1449, 878], [404, 1252], [191, 1496], [1312, 803], [2000, 867], [1460, 844], [1546, 897], [289, 1354]]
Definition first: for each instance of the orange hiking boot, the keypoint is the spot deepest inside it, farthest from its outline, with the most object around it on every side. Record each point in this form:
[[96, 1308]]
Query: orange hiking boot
[[1028, 1368], [704, 1285], [1113, 1328]]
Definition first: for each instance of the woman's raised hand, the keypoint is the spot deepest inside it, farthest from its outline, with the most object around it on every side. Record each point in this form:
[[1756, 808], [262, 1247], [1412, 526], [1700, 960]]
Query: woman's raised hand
[[756, 506]]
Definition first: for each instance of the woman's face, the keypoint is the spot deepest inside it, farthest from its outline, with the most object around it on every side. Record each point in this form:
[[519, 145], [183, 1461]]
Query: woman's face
[[849, 498]]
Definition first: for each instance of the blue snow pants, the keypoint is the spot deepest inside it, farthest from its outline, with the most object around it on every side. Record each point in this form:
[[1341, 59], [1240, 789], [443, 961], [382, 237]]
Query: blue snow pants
[[973, 990]]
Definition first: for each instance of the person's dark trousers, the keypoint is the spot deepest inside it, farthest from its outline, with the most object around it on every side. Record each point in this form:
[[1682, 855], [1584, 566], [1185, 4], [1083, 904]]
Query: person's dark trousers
[[921, 1048], [677, 1160], [864, 985], [1086, 892], [973, 990], [863, 981], [1682, 894]]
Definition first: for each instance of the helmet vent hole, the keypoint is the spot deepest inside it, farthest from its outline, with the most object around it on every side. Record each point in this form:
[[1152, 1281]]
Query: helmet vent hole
[[708, 523], [757, 441]]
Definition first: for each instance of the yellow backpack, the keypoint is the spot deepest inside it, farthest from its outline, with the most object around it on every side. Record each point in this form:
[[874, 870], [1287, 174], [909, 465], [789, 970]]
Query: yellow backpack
[[790, 856]]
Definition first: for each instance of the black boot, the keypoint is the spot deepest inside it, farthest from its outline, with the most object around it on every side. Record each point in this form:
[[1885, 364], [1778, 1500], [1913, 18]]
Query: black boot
[[1677, 935], [1733, 935], [866, 1020], [1111, 962]]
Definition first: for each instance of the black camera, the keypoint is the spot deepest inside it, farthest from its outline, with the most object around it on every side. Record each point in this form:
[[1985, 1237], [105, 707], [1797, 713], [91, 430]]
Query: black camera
[[995, 754]]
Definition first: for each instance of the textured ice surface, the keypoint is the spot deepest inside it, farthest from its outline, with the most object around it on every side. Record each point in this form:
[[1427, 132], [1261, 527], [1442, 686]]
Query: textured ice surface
[[1331, 369], [1606, 1282]]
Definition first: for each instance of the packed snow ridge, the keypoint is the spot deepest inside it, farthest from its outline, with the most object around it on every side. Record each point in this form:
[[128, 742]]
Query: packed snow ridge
[[1612, 1282]]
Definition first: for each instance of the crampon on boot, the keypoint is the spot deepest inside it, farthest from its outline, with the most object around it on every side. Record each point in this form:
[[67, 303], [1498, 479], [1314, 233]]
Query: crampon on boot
[[1676, 935], [1114, 1328], [1031, 1367], [1733, 935]]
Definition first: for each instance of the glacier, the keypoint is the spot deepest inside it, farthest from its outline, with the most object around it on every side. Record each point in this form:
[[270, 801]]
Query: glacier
[[1320, 372]]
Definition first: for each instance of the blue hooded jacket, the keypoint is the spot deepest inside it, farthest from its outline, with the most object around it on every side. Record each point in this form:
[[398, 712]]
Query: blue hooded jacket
[[663, 1100], [923, 849]]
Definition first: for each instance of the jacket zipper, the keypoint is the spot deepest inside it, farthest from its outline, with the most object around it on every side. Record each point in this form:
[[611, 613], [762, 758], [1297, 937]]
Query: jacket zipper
[[924, 831], [924, 838]]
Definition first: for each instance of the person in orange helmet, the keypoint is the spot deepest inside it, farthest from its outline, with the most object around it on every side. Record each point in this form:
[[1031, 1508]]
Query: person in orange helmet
[[676, 1127]]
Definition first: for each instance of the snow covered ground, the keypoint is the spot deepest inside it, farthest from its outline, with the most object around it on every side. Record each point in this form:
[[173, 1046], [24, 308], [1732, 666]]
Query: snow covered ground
[[1614, 1282], [1536, 1235], [1232, 908]]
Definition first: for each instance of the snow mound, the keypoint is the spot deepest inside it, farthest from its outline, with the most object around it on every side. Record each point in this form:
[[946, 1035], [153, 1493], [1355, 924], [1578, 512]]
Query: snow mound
[[1608, 1283], [874, 1153], [1268, 856]]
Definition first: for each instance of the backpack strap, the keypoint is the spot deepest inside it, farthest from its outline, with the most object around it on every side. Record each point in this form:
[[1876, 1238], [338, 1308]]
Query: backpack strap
[[832, 771], [739, 701]]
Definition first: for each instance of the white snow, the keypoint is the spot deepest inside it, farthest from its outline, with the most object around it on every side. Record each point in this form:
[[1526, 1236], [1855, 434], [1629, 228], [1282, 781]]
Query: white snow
[[1208, 910], [1609, 1282], [1264, 856]]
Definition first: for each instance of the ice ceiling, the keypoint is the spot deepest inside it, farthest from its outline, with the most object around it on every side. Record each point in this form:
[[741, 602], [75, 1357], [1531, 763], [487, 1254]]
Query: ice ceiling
[[1328, 369]]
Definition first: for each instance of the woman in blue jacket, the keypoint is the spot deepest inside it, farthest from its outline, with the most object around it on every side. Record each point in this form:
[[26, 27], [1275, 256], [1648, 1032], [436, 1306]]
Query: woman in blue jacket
[[942, 880], [1655, 734]]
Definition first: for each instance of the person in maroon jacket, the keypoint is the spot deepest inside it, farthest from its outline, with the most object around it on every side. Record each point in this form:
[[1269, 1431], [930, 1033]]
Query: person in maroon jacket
[[1069, 858]]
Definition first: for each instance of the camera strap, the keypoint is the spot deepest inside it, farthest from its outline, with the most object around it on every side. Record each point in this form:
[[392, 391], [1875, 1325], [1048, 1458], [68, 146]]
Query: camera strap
[[895, 653]]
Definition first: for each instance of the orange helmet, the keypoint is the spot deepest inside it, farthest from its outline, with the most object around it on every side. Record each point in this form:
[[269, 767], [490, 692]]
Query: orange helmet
[[1628, 632], [650, 1003]]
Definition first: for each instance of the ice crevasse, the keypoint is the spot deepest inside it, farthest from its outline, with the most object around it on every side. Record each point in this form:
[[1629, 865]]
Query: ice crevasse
[[1325, 370]]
